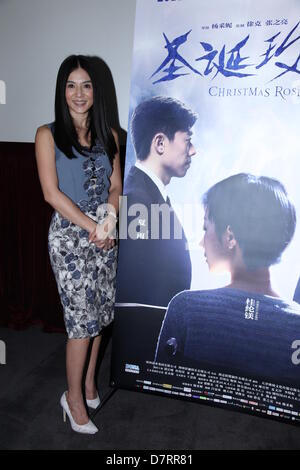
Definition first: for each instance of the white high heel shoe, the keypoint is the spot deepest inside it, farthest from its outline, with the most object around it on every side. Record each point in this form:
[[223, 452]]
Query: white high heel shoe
[[93, 403], [88, 428]]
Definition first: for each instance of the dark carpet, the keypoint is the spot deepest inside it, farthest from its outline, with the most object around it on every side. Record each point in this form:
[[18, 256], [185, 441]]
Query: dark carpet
[[33, 379]]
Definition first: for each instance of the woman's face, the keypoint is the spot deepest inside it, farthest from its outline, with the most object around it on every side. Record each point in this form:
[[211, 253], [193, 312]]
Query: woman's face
[[79, 92], [215, 252]]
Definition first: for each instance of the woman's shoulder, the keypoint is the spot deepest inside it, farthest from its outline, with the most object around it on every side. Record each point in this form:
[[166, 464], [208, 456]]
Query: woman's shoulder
[[232, 298], [180, 300], [190, 300], [45, 132], [197, 295]]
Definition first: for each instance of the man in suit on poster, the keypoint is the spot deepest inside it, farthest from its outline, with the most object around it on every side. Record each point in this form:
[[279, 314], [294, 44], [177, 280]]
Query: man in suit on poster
[[154, 261]]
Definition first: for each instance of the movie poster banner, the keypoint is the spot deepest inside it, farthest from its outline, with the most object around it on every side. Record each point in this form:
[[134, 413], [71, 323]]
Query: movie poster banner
[[208, 293]]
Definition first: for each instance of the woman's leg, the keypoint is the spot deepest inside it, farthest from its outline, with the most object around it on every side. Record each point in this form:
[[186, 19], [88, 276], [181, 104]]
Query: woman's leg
[[75, 362], [90, 383]]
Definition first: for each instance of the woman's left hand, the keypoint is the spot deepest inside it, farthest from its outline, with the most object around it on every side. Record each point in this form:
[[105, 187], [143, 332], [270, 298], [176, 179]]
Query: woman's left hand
[[104, 235]]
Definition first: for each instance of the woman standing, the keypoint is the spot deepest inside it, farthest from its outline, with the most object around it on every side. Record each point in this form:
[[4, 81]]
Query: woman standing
[[79, 170]]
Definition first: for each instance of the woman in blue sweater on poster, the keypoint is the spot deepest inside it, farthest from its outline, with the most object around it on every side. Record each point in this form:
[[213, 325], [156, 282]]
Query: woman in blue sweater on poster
[[245, 327]]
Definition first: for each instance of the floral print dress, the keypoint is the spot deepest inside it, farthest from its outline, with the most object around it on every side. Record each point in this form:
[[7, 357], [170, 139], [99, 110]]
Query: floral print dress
[[85, 274]]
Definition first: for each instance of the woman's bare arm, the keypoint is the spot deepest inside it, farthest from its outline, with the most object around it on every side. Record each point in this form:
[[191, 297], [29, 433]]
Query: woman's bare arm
[[45, 157], [115, 189]]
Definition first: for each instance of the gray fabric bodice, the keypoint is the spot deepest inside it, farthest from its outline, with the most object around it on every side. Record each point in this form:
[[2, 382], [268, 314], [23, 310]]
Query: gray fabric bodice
[[85, 179]]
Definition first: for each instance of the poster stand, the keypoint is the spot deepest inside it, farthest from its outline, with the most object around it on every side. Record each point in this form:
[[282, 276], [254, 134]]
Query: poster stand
[[224, 340]]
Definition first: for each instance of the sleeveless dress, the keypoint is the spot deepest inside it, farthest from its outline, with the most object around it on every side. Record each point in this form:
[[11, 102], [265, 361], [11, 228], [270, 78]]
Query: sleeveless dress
[[85, 274]]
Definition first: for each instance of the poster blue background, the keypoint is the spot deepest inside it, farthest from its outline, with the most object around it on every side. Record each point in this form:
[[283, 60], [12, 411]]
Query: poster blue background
[[257, 134]]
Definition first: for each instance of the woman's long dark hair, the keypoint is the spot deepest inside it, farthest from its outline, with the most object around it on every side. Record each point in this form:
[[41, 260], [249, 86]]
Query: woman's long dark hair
[[65, 135]]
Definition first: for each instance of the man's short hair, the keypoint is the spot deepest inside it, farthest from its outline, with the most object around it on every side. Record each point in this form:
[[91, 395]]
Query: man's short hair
[[258, 211], [159, 114]]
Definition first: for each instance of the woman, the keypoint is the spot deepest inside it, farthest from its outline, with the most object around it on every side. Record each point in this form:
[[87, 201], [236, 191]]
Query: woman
[[245, 327], [79, 170]]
